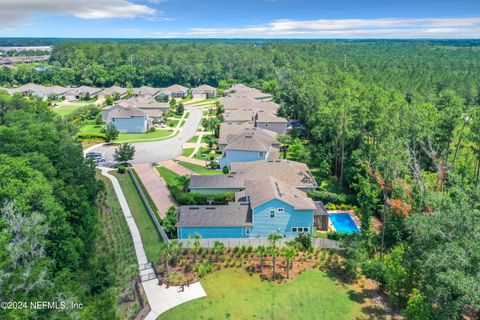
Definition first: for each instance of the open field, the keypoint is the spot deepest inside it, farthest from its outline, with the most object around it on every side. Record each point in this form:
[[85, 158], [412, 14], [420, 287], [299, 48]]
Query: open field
[[234, 294]]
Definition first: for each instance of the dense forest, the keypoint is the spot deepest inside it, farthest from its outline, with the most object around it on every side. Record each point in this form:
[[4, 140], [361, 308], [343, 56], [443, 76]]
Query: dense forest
[[49, 231], [395, 125]]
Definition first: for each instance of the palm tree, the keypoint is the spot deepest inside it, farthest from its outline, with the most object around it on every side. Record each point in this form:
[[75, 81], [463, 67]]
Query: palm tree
[[165, 255], [262, 253], [195, 246], [218, 248], [274, 252], [289, 253], [175, 248], [274, 237]]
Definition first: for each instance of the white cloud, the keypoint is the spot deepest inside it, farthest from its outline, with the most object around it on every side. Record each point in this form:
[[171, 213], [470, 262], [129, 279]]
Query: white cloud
[[15, 12], [351, 28]]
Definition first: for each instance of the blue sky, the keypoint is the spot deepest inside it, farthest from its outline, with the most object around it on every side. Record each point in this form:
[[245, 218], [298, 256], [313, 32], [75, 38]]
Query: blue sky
[[240, 19]]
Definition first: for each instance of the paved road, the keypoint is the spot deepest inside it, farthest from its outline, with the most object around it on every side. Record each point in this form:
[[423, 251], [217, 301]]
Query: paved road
[[157, 151]]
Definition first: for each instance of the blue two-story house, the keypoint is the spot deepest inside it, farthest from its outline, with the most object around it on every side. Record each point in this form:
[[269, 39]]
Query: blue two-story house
[[265, 206], [252, 145], [127, 118]]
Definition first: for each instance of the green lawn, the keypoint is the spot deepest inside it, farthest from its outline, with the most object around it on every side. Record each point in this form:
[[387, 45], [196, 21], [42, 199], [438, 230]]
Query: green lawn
[[150, 237], [169, 176], [233, 294], [142, 136], [199, 169], [65, 110], [202, 153], [173, 123], [92, 129], [193, 139], [187, 152]]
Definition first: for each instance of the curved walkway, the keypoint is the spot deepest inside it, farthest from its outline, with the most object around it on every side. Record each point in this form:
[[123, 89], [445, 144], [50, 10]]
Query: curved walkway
[[159, 298]]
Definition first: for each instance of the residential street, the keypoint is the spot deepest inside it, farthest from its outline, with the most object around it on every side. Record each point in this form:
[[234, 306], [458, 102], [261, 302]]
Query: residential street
[[157, 151]]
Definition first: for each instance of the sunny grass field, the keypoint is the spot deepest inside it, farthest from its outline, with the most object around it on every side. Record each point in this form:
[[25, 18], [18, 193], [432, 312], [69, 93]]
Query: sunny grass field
[[150, 237], [65, 110], [96, 129], [234, 294]]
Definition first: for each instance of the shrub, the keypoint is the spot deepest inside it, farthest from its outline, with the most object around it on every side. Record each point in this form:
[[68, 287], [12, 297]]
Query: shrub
[[153, 129], [334, 235], [344, 207], [330, 197], [90, 136], [304, 241], [330, 206], [121, 169]]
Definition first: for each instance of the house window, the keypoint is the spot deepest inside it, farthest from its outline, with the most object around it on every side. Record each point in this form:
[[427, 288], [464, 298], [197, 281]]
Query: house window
[[261, 154], [294, 229], [247, 230], [304, 229], [272, 213], [280, 210]]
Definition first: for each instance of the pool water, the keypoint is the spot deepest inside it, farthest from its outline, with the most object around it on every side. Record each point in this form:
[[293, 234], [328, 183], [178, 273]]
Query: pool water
[[343, 223]]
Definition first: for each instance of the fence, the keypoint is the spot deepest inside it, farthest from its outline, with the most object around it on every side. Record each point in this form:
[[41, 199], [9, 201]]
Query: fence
[[153, 215], [255, 242]]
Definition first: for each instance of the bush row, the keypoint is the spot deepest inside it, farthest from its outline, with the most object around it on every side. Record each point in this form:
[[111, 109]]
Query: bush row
[[191, 198]]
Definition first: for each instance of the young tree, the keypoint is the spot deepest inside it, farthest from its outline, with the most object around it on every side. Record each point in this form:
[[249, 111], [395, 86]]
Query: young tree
[[218, 249], [180, 108], [111, 132], [99, 119], [124, 153], [273, 250], [165, 255], [262, 253], [225, 169], [195, 246], [289, 253]]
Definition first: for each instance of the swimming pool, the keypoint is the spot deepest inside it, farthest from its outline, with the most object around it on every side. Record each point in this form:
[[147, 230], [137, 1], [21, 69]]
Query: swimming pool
[[343, 222]]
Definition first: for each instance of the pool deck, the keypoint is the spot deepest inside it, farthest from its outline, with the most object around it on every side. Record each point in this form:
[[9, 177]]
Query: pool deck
[[352, 214]]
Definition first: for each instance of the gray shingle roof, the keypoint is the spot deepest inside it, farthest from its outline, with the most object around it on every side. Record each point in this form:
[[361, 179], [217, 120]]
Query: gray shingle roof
[[232, 215], [236, 103], [84, 90], [263, 116], [114, 89], [294, 173], [146, 90], [245, 91], [243, 115], [204, 88], [119, 111], [176, 88], [228, 131], [227, 181], [252, 140], [264, 190]]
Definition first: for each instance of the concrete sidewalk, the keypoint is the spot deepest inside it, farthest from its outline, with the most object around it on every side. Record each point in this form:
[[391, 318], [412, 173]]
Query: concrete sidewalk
[[156, 187], [159, 298]]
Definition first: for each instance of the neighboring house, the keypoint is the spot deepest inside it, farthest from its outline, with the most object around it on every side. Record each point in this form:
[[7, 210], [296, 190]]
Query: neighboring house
[[152, 108], [40, 91], [238, 116], [176, 91], [224, 221], [114, 90], [237, 103], [265, 206], [295, 174], [269, 121], [241, 90], [82, 93], [204, 92], [126, 118], [253, 145], [222, 183], [146, 92], [229, 130]]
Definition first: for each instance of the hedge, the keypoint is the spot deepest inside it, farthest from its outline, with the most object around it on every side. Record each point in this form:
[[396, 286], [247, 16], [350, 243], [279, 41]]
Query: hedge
[[330, 197], [90, 136], [192, 198]]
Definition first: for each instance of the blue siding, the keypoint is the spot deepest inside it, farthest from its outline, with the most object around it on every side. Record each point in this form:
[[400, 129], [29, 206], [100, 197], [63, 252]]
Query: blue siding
[[205, 232], [131, 125], [283, 222], [240, 156]]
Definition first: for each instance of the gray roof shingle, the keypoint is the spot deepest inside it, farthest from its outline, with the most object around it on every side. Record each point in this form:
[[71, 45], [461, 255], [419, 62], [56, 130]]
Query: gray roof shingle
[[232, 215]]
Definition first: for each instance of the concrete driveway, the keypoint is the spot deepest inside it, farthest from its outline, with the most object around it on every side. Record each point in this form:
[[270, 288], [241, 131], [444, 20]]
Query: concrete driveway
[[157, 151]]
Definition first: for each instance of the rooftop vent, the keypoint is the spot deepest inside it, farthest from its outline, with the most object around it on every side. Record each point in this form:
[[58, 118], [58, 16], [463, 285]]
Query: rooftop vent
[[210, 208]]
